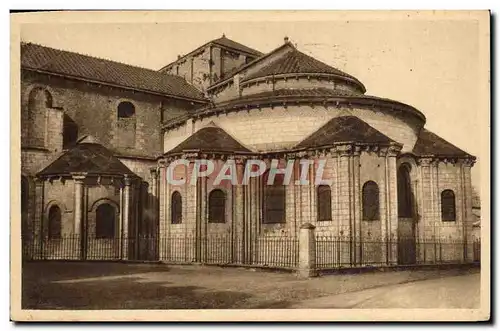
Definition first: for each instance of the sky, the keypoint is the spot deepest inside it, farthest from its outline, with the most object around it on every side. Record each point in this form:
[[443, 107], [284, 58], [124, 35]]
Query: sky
[[432, 65]]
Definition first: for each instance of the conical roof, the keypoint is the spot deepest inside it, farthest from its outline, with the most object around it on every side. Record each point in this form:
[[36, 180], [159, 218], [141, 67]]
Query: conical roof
[[429, 143], [344, 129], [91, 158], [210, 138], [296, 62]]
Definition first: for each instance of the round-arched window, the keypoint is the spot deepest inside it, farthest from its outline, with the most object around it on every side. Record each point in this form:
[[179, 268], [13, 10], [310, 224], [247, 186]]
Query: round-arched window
[[126, 109]]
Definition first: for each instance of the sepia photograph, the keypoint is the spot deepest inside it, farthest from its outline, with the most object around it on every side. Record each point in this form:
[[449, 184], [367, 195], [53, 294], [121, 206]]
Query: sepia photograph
[[272, 165]]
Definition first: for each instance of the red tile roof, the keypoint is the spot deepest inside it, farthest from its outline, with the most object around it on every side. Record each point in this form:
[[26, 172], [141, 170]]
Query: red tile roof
[[74, 65], [344, 129], [429, 143]]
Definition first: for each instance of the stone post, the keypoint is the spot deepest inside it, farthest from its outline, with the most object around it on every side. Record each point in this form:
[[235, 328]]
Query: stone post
[[126, 216], [307, 251]]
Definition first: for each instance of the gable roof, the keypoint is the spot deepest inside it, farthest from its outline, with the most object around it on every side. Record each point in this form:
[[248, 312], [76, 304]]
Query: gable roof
[[91, 158], [344, 129], [222, 41], [226, 42], [73, 65], [429, 143], [298, 62], [212, 139]]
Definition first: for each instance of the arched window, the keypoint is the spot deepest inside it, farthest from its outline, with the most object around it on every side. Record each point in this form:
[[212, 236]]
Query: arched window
[[39, 98], [274, 199], [54, 227], [176, 208], [448, 206], [105, 225], [324, 203], [126, 109], [126, 125], [405, 201], [370, 201], [217, 207]]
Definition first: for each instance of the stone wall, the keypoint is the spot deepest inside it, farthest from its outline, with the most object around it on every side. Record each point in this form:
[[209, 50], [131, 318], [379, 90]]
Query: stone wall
[[94, 109], [277, 128]]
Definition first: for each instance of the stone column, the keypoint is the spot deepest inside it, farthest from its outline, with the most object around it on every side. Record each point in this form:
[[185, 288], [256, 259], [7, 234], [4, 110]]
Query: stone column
[[202, 208], [467, 215], [154, 226], [307, 251], [392, 222], [78, 179], [38, 224], [126, 216], [426, 221], [239, 220], [356, 212], [384, 210], [312, 192], [344, 203], [78, 210], [163, 211]]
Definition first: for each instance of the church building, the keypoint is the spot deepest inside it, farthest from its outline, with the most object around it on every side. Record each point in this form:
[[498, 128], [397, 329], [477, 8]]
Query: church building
[[98, 137]]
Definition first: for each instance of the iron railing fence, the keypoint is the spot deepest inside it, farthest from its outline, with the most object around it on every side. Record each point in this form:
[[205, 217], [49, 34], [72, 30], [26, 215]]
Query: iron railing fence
[[279, 251], [333, 252], [266, 251]]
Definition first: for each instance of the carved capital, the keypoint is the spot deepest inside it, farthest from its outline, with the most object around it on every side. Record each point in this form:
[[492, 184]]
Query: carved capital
[[393, 151], [424, 162], [344, 150], [127, 180], [154, 173], [468, 162], [79, 177]]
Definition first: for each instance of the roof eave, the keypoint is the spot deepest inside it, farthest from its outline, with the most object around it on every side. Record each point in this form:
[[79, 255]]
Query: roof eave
[[202, 101]]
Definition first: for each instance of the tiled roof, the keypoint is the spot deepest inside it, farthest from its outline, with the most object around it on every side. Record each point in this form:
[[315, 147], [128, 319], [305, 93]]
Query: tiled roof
[[295, 62], [225, 42], [344, 129], [91, 158], [429, 143], [36, 57], [313, 93], [212, 139]]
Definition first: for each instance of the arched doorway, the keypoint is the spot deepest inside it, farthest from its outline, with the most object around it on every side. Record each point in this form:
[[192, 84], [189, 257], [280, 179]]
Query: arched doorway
[[406, 220]]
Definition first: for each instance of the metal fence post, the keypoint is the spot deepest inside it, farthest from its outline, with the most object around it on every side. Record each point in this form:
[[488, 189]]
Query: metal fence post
[[307, 251]]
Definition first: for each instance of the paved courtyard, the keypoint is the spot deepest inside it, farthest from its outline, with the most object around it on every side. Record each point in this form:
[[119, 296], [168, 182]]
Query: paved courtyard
[[79, 285]]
